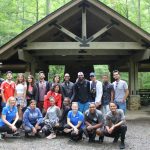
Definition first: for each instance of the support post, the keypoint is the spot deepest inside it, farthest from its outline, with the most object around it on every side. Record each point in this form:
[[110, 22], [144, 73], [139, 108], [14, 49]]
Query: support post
[[133, 77]]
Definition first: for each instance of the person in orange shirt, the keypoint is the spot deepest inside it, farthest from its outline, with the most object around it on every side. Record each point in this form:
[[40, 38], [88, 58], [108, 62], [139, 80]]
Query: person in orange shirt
[[54, 92], [7, 88]]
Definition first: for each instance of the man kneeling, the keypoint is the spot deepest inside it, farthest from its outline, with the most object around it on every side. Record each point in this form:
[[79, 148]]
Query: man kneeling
[[94, 123], [116, 124]]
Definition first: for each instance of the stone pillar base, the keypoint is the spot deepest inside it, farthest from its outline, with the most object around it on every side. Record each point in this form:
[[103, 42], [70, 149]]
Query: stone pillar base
[[134, 102]]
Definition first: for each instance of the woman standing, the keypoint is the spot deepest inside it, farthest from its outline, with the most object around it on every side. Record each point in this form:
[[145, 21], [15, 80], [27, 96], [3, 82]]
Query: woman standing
[[9, 120], [20, 94], [54, 92], [31, 90], [32, 119]]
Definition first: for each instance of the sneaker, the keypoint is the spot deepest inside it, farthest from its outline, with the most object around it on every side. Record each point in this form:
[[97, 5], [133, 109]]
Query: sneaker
[[16, 134], [51, 136], [122, 145], [67, 130]]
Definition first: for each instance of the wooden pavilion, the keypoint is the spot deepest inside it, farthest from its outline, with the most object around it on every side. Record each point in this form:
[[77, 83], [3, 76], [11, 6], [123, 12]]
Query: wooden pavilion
[[79, 35]]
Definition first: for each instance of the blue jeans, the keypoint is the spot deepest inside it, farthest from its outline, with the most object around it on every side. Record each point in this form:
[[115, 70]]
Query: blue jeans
[[121, 105], [83, 106]]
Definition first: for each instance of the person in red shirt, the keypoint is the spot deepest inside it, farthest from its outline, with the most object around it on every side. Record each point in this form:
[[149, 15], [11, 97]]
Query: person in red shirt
[[7, 88], [54, 92]]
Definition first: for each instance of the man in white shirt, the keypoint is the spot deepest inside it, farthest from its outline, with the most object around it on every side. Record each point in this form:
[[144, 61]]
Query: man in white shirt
[[121, 91], [95, 89]]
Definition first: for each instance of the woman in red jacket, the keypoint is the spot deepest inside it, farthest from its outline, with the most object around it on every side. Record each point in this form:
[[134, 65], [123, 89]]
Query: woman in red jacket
[[54, 92]]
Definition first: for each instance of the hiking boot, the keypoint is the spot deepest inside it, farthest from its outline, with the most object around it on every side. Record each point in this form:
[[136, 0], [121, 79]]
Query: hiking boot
[[122, 145]]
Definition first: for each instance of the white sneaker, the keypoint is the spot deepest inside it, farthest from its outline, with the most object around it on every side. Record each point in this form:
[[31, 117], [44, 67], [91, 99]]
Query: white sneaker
[[51, 136], [67, 130]]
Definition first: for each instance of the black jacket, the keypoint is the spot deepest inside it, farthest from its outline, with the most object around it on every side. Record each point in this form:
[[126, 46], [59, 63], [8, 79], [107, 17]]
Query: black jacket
[[33, 94], [82, 91], [68, 90]]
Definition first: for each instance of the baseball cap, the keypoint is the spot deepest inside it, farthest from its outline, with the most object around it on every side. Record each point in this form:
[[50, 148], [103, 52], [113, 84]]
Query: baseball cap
[[92, 74]]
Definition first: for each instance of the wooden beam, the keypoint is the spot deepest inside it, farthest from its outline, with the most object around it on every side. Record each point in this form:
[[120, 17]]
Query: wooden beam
[[121, 28], [67, 32], [7, 54], [84, 24], [13, 67], [140, 56], [40, 24], [80, 57], [68, 52], [25, 56], [120, 19], [100, 32], [92, 45], [47, 27]]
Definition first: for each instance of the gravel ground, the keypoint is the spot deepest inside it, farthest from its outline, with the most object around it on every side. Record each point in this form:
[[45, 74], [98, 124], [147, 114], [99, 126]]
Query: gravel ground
[[137, 138]]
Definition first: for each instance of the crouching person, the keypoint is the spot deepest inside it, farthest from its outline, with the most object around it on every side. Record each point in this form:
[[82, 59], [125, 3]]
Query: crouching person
[[94, 122], [9, 122], [115, 124], [65, 109], [51, 119], [75, 123], [32, 119]]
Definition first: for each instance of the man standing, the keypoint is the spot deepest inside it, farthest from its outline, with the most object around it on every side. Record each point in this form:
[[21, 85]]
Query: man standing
[[108, 94], [68, 87], [94, 122], [7, 88], [82, 92], [121, 91], [115, 124], [43, 88], [95, 90]]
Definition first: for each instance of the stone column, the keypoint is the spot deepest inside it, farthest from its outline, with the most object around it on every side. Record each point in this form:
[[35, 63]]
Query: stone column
[[134, 99]]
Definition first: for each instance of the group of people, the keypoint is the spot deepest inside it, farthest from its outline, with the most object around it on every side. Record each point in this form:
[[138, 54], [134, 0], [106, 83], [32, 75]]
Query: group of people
[[92, 108]]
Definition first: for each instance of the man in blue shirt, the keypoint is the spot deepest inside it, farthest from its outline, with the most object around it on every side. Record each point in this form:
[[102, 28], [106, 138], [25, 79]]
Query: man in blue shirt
[[75, 123]]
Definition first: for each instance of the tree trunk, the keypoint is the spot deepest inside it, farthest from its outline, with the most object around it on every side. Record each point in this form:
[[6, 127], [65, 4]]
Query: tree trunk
[[47, 7], [37, 10], [139, 13], [127, 12]]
